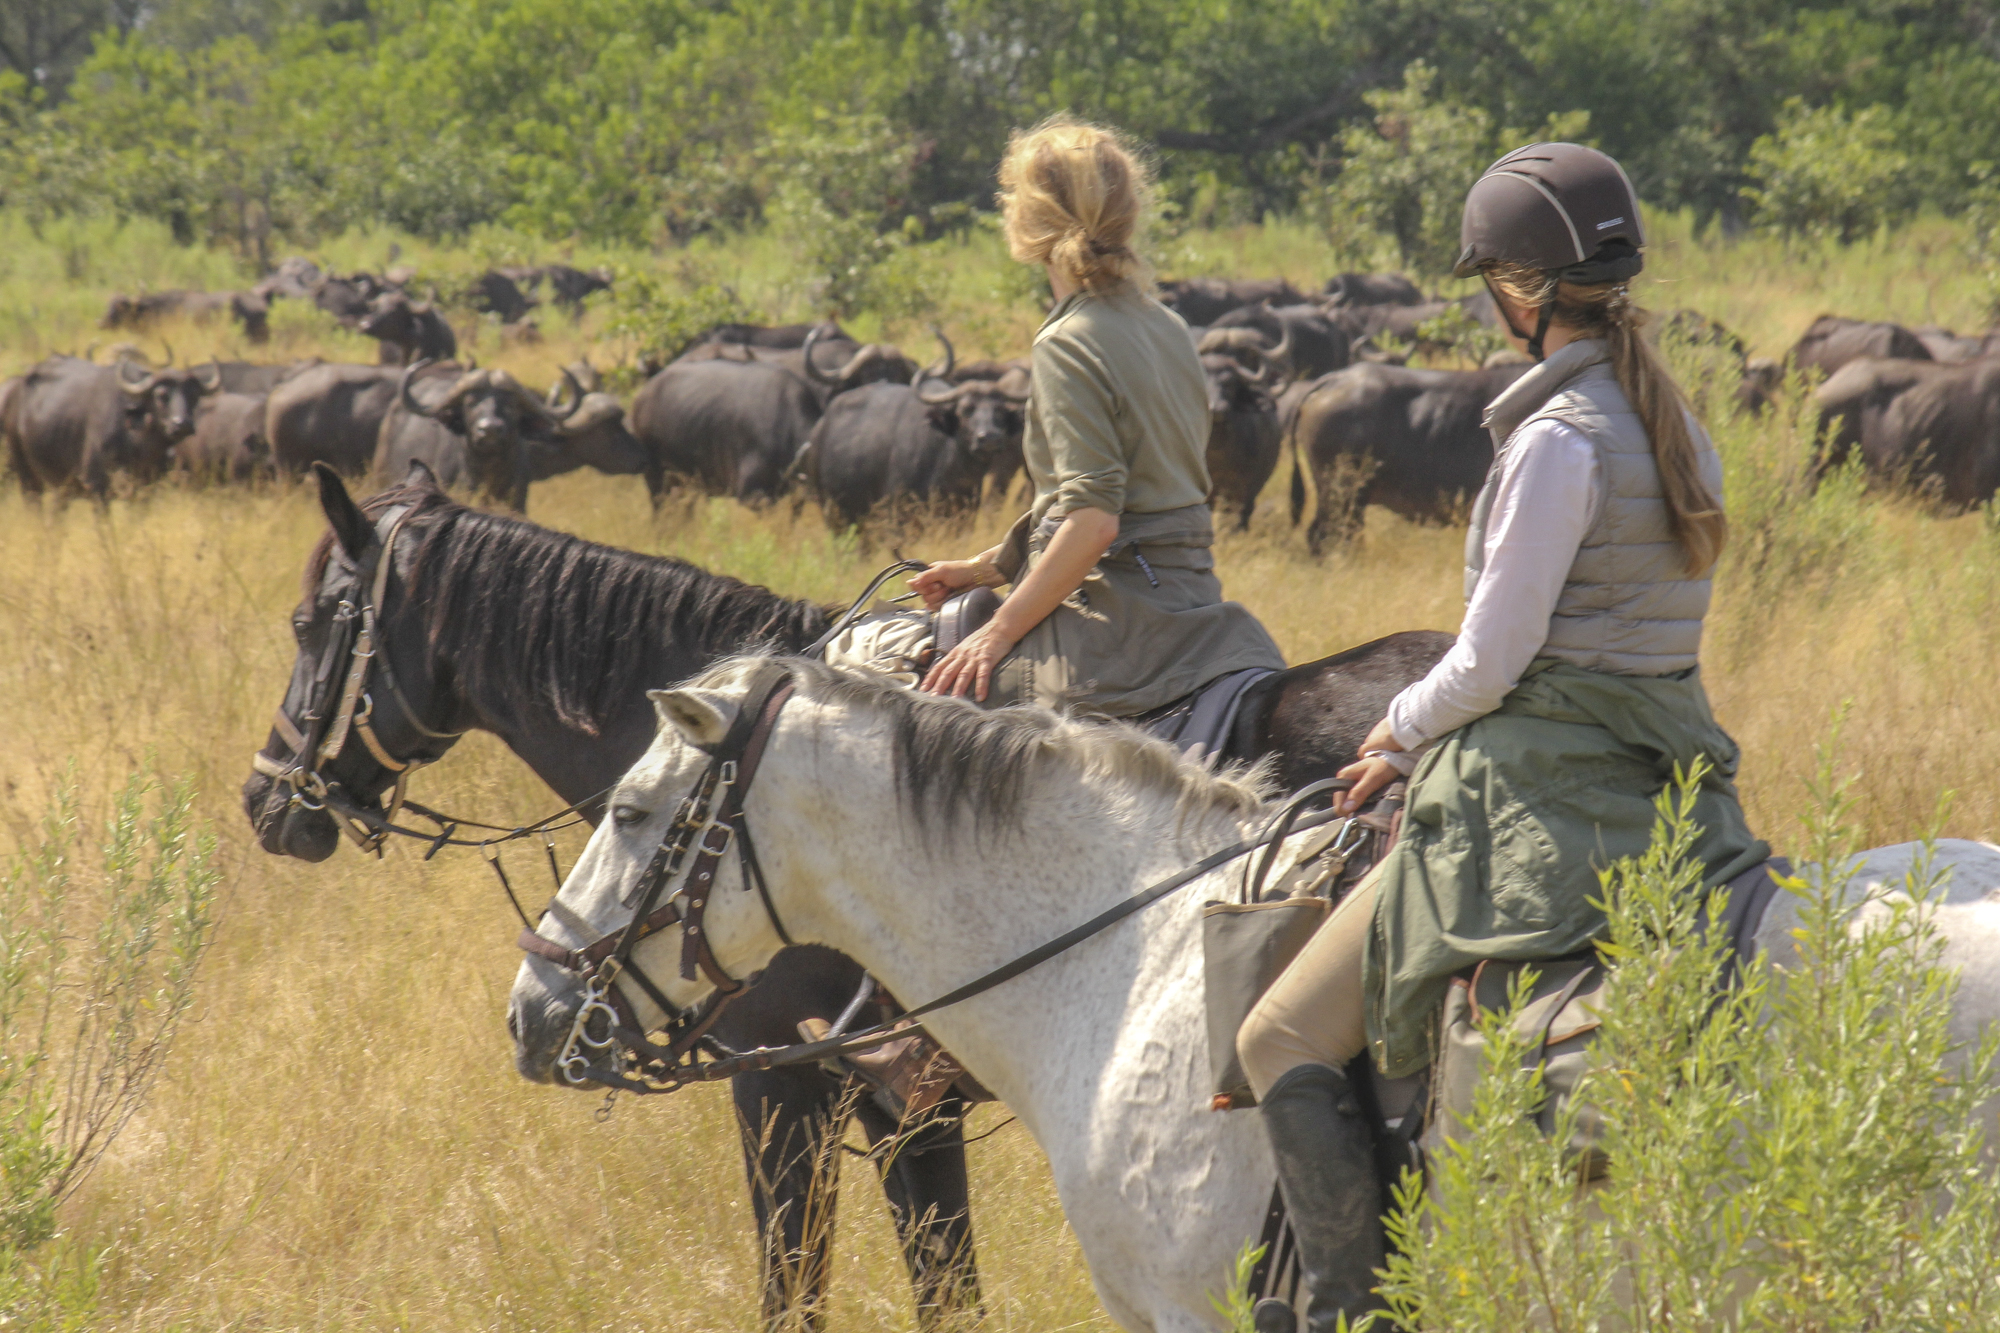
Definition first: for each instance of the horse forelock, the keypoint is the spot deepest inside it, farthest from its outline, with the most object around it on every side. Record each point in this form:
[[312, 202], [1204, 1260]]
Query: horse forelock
[[535, 619], [957, 764]]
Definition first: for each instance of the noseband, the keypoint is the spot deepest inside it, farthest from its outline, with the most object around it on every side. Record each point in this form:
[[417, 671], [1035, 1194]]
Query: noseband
[[709, 820], [325, 731]]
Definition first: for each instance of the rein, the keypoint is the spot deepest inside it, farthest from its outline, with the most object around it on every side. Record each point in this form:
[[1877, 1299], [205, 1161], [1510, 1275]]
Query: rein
[[606, 1021]]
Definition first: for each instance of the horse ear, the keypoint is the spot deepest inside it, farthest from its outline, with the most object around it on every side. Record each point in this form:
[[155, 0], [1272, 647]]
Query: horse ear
[[350, 525], [420, 475], [702, 717]]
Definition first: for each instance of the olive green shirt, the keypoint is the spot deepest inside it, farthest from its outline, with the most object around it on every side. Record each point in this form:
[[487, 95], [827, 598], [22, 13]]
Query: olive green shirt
[[1119, 416]]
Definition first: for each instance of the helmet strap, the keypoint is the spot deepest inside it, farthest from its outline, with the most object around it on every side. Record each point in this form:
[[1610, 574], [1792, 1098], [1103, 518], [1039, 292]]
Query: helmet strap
[[1541, 331]]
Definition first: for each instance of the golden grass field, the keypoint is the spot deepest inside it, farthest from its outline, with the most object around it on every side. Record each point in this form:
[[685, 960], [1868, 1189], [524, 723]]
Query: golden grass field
[[340, 1142]]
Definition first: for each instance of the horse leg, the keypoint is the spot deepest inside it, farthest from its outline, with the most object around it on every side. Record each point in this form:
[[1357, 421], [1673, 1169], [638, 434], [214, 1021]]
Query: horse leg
[[791, 1122], [930, 1200]]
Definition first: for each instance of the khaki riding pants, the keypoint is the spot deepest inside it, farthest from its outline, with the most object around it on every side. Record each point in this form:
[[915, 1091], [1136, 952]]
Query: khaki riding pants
[[1313, 1013]]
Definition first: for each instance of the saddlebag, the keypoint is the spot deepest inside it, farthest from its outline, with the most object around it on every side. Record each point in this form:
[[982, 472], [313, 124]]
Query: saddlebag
[[1247, 942]]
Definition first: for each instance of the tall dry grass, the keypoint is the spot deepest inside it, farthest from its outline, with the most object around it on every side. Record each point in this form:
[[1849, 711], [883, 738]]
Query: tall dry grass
[[340, 1141]]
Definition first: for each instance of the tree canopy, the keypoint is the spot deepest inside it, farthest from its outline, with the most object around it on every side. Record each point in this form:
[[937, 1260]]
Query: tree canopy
[[642, 121]]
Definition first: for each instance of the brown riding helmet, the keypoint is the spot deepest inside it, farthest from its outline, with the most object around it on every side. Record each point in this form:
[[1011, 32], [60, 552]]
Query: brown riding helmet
[[1559, 207]]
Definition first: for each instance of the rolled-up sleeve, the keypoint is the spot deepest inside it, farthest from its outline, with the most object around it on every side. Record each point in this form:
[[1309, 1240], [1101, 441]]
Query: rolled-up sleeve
[[1077, 408]]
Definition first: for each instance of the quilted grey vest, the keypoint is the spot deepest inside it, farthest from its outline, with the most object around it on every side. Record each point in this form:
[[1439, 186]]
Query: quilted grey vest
[[1628, 606]]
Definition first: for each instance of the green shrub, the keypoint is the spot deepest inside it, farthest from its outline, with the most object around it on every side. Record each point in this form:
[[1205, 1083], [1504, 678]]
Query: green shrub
[[1825, 172], [657, 322], [1813, 1131], [98, 951]]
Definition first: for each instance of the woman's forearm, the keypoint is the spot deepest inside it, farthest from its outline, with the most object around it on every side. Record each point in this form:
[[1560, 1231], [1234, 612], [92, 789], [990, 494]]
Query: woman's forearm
[[1076, 547]]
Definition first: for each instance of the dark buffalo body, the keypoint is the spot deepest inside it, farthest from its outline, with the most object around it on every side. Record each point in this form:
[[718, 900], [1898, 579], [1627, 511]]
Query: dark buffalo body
[[722, 427], [1204, 300], [1407, 439], [1832, 342], [72, 424], [253, 377], [1243, 439], [1353, 289], [329, 414], [882, 446], [250, 309], [1853, 402], [495, 293], [347, 298], [228, 443], [776, 336], [1317, 343], [409, 331], [1941, 436]]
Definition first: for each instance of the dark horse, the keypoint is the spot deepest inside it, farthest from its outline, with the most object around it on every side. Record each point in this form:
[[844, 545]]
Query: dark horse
[[550, 642]]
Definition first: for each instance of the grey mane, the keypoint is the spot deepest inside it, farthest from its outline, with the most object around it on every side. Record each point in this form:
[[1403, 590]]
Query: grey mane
[[954, 760]]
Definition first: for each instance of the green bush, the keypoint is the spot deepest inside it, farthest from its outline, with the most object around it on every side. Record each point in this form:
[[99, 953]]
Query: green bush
[[1825, 172], [1804, 1150], [99, 945]]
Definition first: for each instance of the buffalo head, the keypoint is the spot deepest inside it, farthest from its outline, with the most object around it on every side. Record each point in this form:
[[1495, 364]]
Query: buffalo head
[[984, 416], [873, 362], [160, 406]]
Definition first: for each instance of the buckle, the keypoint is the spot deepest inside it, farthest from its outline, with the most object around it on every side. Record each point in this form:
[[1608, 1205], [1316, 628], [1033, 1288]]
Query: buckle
[[728, 832]]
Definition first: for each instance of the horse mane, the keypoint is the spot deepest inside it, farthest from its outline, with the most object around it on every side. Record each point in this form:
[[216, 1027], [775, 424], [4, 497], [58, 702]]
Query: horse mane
[[954, 759], [538, 619]]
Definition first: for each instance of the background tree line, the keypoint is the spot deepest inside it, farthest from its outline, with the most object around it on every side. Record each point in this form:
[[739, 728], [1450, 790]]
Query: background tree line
[[258, 122]]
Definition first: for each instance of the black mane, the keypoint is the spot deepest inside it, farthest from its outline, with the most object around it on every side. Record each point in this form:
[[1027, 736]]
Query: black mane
[[538, 619]]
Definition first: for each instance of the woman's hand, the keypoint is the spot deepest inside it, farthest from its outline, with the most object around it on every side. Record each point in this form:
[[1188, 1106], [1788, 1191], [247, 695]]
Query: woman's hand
[[1371, 772], [945, 577], [970, 665]]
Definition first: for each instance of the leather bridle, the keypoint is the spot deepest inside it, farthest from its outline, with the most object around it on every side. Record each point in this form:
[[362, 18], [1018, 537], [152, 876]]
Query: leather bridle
[[708, 822], [318, 739]]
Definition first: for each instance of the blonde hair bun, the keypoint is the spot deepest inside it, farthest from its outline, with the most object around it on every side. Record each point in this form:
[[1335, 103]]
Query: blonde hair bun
[[1073, 195]]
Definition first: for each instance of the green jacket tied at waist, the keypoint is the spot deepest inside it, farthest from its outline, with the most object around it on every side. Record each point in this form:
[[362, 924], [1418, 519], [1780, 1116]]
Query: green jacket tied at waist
[[1510, 820]]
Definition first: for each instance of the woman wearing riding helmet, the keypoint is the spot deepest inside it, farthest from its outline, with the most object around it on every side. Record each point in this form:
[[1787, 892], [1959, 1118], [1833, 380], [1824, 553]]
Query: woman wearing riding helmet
[[1115, 606], [1540, 741]]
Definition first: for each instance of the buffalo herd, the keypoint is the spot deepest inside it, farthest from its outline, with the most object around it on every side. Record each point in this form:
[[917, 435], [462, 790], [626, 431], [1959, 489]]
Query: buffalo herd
[[756, 413]]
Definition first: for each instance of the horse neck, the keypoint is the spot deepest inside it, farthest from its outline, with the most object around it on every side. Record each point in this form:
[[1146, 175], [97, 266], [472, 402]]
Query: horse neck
[[576, 763], [926, 910]]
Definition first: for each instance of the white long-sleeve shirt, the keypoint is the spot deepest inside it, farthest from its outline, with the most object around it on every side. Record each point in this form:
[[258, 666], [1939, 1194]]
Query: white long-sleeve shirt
[[1545, 499]]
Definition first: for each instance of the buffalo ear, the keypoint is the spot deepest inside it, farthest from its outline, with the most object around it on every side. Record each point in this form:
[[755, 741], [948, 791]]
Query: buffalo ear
[[420, 475], [702, 717], [350, 526], [943, 419]]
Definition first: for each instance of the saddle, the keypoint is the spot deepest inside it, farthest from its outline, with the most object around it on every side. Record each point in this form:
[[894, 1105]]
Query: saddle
[[1198, 724]]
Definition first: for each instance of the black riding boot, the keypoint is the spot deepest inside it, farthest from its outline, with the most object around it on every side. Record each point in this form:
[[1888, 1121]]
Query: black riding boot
[[1326, 1170]]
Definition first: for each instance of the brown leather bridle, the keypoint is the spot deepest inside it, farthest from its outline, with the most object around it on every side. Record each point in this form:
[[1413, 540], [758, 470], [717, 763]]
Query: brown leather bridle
[[330, 718], [708, 822]]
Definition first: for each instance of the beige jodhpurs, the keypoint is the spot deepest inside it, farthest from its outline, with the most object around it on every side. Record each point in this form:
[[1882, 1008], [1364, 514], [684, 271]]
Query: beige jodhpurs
[[1313, 1013]]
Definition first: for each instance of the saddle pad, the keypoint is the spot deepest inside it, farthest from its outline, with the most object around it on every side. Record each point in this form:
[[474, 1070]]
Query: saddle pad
[[1199, 725]]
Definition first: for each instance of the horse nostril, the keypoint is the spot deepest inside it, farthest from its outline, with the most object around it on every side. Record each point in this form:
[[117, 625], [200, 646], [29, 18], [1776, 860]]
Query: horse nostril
[[514, 1024]]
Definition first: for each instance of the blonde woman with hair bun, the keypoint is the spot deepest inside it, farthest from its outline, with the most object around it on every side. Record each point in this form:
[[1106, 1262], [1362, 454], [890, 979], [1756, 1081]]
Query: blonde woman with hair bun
[[1114, 607]]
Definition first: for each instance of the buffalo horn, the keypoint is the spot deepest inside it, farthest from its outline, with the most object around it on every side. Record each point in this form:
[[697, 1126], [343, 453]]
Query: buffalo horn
[[949, 393], [211, 381], [135, 389], [576, 388], [950, 355], [812, 370], [409, 401]]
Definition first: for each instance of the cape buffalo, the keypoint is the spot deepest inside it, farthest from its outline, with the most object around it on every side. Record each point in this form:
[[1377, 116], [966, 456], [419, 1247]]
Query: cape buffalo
[[985, 417], [72, 423], [1832, 342], [228, 443], [570, 285], [293, 277], [496, 293], [328, 414], [722, 428], [1941, 436], [251, 310], [827, 361], [251, 377], [1316, 343], [1389, 435], [484, 427], [1243, 440], [1852, 402], [882, 444], [410, 331], [1203, 300], [1347, 289], [1944, 345], [347, 299], [778, 336]]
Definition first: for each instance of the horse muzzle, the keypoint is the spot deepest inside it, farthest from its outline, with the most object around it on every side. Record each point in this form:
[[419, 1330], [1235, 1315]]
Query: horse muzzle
[[540, 1021], [284, 827]]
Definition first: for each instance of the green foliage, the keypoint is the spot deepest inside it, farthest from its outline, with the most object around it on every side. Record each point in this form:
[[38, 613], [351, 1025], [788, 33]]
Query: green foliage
[[1457, 334], [1235, 1304], [98, 951], [1825, 172], [1813, 1131], [658, 322]]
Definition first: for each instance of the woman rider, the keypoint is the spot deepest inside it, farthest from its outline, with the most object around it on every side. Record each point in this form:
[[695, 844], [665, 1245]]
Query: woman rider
[[1115, 606], [1540, 741]]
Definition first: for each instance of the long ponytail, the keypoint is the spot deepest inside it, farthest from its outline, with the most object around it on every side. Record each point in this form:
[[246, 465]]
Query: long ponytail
[[1606, 311]]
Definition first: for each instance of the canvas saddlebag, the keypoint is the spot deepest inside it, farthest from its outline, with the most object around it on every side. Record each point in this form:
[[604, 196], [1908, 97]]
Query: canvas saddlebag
[[1560, 1021], [1247, 941]]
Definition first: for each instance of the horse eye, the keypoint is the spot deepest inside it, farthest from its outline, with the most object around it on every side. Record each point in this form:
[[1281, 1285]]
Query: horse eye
[[627, 815], [299, 628]]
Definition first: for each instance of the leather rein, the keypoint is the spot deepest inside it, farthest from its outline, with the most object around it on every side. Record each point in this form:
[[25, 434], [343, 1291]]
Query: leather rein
[[710, 819]]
